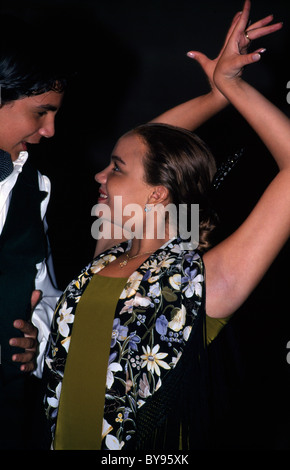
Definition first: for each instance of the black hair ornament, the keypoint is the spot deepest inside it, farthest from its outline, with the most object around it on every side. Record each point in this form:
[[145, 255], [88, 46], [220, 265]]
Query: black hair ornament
[[225, 168]]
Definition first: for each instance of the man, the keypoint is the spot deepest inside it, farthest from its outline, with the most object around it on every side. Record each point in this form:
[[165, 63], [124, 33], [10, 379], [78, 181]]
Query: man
[[31, 92]]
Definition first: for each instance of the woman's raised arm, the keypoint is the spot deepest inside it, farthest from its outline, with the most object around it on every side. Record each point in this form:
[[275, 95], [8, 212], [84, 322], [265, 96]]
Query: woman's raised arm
[[195, 112], [235, 266]]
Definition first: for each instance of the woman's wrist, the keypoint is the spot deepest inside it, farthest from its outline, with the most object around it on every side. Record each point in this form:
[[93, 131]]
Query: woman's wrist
[[229, 86], [218, 97]]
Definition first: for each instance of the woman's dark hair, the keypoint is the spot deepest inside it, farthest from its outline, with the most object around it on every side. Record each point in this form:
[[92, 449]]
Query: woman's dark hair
[[30, 64], [180, 161]]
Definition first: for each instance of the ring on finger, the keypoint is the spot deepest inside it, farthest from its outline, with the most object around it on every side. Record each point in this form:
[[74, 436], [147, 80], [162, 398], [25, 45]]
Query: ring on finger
[[247, 36]]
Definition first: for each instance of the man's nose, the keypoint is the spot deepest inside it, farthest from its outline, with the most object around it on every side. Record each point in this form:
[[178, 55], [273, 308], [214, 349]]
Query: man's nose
[[48, 128]]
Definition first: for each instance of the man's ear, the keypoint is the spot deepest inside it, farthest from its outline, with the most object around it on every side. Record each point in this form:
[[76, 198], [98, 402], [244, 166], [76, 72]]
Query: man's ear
[[159, 195]]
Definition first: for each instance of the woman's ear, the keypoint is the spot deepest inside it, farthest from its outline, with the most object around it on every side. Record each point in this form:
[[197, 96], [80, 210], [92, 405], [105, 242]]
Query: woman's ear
[[159, 195]]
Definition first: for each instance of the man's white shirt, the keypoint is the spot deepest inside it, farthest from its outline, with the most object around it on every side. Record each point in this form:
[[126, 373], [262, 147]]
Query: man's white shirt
[[44, 280]]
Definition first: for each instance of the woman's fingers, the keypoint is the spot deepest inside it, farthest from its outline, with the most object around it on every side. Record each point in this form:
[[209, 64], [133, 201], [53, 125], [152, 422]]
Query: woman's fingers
[[232, 27], [242, 23], [255, 33], [262, 22]]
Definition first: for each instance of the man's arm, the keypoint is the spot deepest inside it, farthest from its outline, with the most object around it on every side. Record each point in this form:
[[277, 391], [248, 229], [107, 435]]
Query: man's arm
[[43, 302]]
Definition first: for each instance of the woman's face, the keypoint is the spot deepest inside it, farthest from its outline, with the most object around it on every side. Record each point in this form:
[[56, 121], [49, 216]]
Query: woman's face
[[122, 182]]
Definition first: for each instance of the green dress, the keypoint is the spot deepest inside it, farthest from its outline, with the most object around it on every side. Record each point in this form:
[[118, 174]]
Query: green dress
[[81, 407]]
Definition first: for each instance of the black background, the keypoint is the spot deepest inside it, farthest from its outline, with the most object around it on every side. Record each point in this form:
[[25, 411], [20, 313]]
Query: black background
[[132, 65]]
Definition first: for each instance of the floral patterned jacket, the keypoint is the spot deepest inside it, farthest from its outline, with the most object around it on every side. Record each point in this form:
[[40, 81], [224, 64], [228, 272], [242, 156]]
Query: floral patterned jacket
[[151, 326]]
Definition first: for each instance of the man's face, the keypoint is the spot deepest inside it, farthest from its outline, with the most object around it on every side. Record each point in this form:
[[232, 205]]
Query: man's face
[[26, 120]]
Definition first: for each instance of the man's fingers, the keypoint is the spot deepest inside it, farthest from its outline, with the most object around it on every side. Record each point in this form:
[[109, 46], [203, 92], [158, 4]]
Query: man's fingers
[[28, 367], [35, 298], [26, 357], [28, 342], [26, 327], [23, 342]]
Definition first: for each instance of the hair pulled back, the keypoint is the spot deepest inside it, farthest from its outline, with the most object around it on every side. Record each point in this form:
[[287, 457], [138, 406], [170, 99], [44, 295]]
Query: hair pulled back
[[180, 161]]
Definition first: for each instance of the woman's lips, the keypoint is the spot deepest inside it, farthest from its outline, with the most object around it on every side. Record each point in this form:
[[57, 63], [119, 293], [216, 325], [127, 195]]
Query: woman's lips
[[24, 146], [102, 197]]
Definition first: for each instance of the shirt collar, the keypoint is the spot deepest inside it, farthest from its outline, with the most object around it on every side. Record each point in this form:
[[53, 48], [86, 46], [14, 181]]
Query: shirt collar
[[19, 162], [18, 165]]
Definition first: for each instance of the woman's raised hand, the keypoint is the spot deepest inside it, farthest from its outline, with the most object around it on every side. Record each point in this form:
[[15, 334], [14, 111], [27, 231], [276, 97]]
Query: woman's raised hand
[[234, 55], [208, 65]]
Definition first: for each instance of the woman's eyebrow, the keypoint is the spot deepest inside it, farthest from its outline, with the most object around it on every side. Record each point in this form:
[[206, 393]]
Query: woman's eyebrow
[[119, 159]]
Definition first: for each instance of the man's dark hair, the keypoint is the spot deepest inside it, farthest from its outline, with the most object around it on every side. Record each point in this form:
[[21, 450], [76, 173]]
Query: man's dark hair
[[31, 61]]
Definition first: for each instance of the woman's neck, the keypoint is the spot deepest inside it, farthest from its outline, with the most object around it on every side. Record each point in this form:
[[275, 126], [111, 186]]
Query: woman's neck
[[139, 247]]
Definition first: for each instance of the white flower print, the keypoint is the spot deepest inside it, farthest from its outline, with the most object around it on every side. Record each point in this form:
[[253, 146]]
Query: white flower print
[[113, 367], [175, 281], [66, 343], [152, 359], [101, 263], [112, 443], [158, 385], [153, 279], [54, 401], [140, 403], [137, 301], [106, 428], [64, 318], [186, 332], [155, 266], [132, 285], [176, 359], [178, 320]]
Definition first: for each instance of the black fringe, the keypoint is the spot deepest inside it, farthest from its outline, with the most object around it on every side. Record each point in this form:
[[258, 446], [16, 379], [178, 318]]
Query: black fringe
[[177, 416]]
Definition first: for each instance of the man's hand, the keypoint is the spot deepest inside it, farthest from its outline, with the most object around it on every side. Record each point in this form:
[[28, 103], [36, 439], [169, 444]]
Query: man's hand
[[29, 341]]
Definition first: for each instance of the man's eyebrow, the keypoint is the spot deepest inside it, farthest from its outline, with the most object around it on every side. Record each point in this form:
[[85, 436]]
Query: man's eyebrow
[[47, 107], [119, 159]]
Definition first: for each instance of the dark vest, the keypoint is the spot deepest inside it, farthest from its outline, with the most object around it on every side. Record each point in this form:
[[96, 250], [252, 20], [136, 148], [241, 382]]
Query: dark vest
[[22, 245]]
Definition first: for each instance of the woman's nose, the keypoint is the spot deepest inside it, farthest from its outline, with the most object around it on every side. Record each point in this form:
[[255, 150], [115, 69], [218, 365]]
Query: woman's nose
[[101, 177]]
